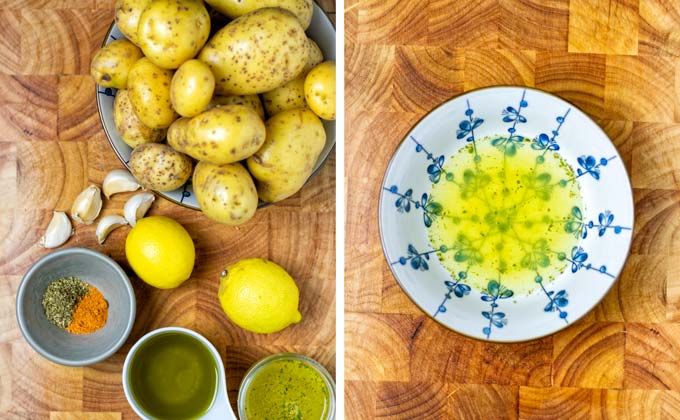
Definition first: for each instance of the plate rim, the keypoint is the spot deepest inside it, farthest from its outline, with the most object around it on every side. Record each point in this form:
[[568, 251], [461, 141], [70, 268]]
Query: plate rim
[[261, 204], [382, 238]]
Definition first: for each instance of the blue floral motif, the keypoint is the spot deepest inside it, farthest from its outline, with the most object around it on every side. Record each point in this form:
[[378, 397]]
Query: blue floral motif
[[576, 225], [510, 114], [431, 209], [546, 143], [419, 259], [108, 92], [556, 301], [467, 127], [578, 258], [436, 169], [457, 289], [591, 166], [493, 292]]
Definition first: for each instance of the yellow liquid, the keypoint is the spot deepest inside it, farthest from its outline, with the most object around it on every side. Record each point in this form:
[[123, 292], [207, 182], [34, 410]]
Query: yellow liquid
[[504, 215]]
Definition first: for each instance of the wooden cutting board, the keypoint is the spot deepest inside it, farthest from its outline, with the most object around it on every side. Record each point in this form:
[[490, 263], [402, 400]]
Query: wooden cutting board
[[51, 146], [615, 59]]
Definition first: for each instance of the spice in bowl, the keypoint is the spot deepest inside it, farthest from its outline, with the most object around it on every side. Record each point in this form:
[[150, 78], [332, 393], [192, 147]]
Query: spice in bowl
[[75, 306]]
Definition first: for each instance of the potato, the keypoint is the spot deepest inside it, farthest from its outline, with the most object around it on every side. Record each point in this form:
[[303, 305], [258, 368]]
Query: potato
[[225, 193], [225, 134], [289, 96], [302, 9], [256, 52], [320, 90], [314, 56], [178, 134], [252, 101], [128, 125], [192, 88], [158, 167], [295, 138], [149, 87], [111, 64], [127, 17], [171, 32]]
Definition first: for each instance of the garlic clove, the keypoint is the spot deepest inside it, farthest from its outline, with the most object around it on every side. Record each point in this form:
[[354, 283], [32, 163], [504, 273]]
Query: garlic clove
[[87, 205], [137, 206], [119, 180], [58, 231], [107, 224]]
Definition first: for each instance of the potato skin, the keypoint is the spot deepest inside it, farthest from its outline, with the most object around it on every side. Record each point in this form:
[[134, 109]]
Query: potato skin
[[192, 88], [171, 32], [320, 90], [314, 56], [302, 9], [178, 132], [288, 96], [111, 65], [285, 161], [225, 193], [127, 17], [252, 101], [129, 127], [149, 87], [249, 56], [225, 134], [158, 167]]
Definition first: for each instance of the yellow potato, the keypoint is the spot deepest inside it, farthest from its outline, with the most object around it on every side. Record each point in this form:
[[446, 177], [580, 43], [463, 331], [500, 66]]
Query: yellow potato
[[314, 56], [252, 101], [302, 9], [225, 193], [171, 32], [295, 139], [111, 64], [127, 17], [320, 90], [256, 52], [149, 87], [225, 134], [128, 125], [178, 134], [192, 88], [289, 96], [158, 167]]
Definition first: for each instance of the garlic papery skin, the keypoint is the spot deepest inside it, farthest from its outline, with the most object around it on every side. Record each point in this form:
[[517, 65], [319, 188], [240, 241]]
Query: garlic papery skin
[[107, 224], [137, 206], [87, 205], [119, 180], [58, 231]]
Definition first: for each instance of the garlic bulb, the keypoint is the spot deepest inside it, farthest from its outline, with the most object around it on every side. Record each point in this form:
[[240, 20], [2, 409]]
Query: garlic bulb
[[137, 206], [58, 231], [107, 224], [119, 180], [87, 205]]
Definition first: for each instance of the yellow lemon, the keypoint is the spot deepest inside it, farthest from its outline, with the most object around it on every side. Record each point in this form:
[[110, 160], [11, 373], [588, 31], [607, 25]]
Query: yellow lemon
[[259, 296], [160, 251]]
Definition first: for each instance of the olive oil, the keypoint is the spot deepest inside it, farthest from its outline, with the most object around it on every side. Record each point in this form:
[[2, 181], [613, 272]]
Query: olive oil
[[503, 214], [173, 376]]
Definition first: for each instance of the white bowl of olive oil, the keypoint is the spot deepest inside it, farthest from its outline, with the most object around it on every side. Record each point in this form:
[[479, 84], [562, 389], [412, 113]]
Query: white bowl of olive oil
[[506, 214]]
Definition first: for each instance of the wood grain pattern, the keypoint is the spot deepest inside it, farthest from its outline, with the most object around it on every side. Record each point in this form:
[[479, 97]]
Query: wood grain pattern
[[51, 146], [617, 60]]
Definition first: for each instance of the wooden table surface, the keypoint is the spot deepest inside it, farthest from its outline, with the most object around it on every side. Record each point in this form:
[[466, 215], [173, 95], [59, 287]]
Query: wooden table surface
[[52, 146], [615, 59]]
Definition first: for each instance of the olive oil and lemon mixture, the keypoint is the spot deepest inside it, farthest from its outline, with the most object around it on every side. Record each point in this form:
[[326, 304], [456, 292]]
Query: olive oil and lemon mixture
[[503, 214]]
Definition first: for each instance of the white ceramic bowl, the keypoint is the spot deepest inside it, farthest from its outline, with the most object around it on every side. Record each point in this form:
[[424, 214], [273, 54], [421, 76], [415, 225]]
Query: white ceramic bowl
[[602, 228], [320, 30]]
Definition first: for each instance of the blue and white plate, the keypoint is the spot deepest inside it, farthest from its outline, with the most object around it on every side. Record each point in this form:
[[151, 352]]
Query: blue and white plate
[[485, 308], [321, 30]]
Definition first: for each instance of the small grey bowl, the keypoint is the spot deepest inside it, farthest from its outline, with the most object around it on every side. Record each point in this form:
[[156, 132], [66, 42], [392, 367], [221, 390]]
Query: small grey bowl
[[56, 344]]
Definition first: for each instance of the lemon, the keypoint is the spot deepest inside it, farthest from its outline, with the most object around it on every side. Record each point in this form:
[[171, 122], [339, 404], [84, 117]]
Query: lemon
[[160, 251], [259, 296]]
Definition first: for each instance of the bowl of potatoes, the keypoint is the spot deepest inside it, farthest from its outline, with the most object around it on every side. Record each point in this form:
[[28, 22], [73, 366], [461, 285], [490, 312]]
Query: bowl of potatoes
[[221, 107]]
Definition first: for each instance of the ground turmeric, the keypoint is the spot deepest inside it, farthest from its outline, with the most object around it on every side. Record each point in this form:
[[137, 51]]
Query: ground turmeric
[[90, 314]]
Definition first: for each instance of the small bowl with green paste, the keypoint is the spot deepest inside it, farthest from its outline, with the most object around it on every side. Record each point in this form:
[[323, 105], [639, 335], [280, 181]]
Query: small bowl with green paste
[[287, 386], [75, 306]]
